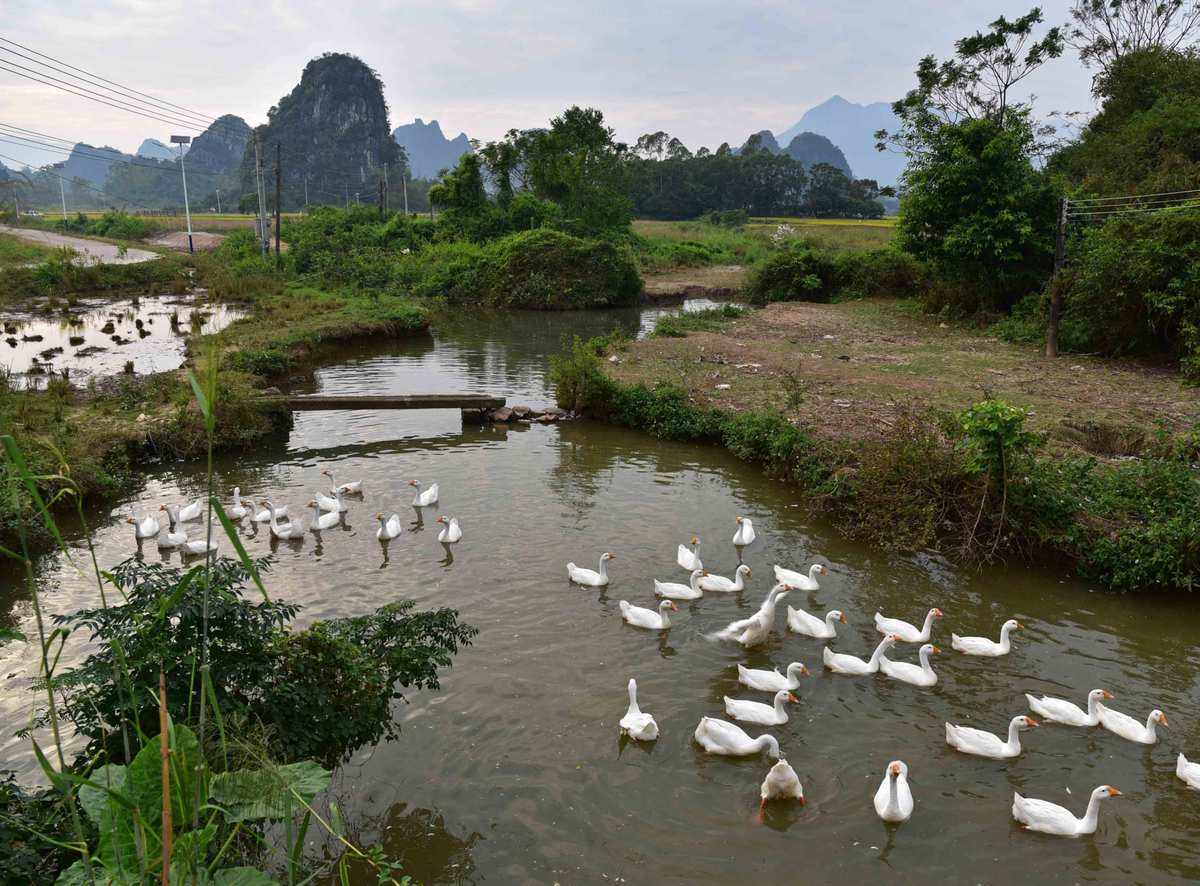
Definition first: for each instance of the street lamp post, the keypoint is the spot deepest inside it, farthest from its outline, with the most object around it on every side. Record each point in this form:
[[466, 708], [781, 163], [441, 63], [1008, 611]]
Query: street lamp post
[[182, 140]]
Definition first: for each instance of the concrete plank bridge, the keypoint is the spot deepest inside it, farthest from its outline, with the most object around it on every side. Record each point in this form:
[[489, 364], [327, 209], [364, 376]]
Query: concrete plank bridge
[[475, 408]]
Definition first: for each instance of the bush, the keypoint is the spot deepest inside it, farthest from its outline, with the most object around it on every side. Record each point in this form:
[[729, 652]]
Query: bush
[[726, 218], [121, 226], [807, 272], [1134, 288], [707, 320], [339, 677]]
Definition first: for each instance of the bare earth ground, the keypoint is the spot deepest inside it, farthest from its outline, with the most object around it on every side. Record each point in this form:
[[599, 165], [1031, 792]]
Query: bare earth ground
[[843, 371], [713, 281], [178, 240]]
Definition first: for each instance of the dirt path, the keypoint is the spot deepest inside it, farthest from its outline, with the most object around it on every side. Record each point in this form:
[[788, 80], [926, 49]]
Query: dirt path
[[844, 370], [89, 250]]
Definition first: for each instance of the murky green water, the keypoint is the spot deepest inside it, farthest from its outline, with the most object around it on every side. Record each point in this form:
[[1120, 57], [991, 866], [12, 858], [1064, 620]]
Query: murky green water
[[514, 773]]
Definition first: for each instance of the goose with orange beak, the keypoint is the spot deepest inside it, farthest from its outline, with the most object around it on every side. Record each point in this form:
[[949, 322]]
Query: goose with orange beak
[[1129, 728], [894, 799], [759, 713], [982, 645], [985, 744], [745, 532], [1050, 818], [1059, 710], [689, 558], [641, 617]]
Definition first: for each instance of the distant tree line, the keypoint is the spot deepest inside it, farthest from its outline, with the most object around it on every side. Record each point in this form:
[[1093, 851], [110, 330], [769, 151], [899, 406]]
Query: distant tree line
[[668, 181]]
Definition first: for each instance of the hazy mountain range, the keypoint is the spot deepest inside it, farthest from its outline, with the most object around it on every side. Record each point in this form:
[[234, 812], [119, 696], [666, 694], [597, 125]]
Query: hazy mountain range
[[852, 128], [429, 151], [153, 149]]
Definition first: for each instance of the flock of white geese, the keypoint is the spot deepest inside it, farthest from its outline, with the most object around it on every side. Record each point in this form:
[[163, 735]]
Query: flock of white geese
[[327, 510], [893, 800]]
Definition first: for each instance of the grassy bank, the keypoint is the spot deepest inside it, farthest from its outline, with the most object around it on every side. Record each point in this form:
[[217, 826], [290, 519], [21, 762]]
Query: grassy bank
[[15, 252], [913, 436], [57, 274]]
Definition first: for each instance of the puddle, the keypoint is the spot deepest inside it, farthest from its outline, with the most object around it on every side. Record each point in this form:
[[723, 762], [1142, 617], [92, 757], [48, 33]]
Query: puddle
[[98, 337]]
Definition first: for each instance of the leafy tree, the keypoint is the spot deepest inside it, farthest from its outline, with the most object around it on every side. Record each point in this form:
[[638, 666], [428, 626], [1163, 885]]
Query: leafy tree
[[975, 84], [1105, 31], [977, 210], [578, 164]]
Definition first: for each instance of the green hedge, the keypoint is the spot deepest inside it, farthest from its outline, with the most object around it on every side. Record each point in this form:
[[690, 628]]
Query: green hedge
[[806, 272]]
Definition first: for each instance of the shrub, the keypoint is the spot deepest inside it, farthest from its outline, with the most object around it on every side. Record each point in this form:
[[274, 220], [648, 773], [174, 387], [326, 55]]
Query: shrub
[[880, 273], [800, 272], [338, 677], [707, 320], [1134, 288], [726, 218]]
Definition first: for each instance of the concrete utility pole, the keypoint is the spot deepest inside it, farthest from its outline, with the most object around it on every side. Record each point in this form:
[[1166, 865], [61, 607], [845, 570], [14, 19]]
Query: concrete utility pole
[[404, 181], [262, 199], [306, 190], [381, 198], [384, 202], [62, 193], [278, 203], [218, 201], [182, 140]]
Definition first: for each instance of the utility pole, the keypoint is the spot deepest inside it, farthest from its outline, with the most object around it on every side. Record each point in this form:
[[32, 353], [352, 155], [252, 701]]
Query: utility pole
[[1060, 259], [381, 198], [62, 193], [384, 202], [404, 181], [218, 201], [306, 191], [278, 203], [262, 200], [182, 140]]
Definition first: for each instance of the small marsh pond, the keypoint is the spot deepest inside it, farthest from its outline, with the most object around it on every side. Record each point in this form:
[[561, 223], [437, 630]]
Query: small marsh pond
[[514, 773], [98, 337]]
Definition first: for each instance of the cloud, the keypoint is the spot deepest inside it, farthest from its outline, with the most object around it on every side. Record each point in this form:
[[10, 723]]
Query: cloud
[[704, 70]]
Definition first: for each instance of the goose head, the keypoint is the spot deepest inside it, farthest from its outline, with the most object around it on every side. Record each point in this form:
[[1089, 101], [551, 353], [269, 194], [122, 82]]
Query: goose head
[[416, 483], [935, 613], [1105, 791], [668, 606], [606, 556], [1159, 717], [785, 695], [1011, 625], [739, 520], [836, 615], [441, 520], [744, 569], [928, 649], [1099, 695], [1024, 722], [817, 569], [695, 540], [897, 768]]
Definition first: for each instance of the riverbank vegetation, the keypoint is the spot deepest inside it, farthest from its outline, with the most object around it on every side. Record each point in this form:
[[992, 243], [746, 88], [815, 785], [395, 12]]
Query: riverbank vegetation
[[973, 479], [213, 723]]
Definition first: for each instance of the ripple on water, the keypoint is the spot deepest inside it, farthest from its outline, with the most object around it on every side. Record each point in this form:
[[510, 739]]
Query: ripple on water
[[521, 746]]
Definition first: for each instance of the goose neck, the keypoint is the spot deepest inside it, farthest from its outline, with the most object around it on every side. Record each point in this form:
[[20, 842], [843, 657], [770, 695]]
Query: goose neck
[[633, 702], [1014, 736], [1092, 815]]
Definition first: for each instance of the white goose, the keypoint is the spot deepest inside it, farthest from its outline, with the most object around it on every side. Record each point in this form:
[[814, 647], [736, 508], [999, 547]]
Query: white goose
[[673, 590], [689, 558], [189, 512], [1050, 818], [354, 487], [894, 799], [636, 724], [906, 632], [591, 578], [332, 503], [985, 744], [757, 628], [721, 737], [1129, 728], [759, 713], [745, 532], [143, 527], [720, 584], [1188, 771], [199, 547], [286, 531], [799, 580], [772, 681], [323, 520], [237, 510], [917, 675], [640, 617], [389, 527], [264, 516], [801, 622], [984, 646], [424, 498], [172, 538], [1058, 710], [781, 783], [451, 531], [852, 665]]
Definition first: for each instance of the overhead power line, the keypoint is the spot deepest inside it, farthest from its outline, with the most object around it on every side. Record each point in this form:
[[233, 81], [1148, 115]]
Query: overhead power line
[[87, 185]]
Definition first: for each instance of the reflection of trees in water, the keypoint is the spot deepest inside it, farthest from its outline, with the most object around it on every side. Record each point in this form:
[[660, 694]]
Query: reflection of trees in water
[[429, 851]]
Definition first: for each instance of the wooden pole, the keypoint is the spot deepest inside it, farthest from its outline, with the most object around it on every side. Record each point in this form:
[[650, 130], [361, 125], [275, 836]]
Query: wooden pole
[[164, 746], [278, 196], [1060, 258]]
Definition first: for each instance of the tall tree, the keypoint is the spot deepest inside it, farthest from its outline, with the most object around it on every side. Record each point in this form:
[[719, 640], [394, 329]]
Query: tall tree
[[1106, 30]]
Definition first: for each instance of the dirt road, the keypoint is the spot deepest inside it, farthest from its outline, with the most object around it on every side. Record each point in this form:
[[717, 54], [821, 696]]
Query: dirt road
[[89, 250]]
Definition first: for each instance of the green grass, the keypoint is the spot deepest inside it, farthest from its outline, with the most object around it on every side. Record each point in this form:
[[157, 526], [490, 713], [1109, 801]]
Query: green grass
[[707, 320], [15, 252], [849, 234]]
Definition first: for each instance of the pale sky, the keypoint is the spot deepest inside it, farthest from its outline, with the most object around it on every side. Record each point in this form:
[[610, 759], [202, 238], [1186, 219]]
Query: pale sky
[[705, 71]]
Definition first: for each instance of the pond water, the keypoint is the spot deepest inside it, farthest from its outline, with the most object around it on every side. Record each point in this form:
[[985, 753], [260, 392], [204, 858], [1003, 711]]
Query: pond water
[[514, 773], [98, 337]]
